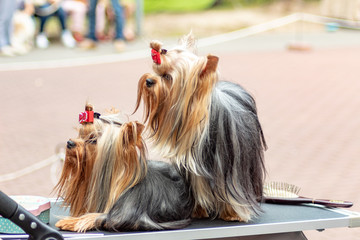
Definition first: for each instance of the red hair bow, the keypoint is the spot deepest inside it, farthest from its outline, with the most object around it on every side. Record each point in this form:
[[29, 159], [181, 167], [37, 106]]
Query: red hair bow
[[155, 56], [86, 117]]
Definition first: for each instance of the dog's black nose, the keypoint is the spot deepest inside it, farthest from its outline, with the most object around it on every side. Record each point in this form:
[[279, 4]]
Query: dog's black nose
[[70, 144], [149, 82]]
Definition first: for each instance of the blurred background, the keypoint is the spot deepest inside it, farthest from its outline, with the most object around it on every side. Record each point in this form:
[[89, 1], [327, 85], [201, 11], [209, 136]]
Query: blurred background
[[298, 58]]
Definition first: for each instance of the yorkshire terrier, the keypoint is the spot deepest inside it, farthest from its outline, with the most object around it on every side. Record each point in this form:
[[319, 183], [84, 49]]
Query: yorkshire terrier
[[117, 188], [74, 183], [209, 128]]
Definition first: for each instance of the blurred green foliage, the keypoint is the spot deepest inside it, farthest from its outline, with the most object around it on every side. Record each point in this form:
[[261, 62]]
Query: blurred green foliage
[[156, 6], [249, 3], [258, 2]]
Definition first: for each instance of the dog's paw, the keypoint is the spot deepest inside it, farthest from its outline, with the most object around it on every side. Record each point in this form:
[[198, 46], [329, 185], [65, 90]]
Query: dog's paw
[[199, 212], [67, 224], [230, 215], [231, 218], [78, 224]]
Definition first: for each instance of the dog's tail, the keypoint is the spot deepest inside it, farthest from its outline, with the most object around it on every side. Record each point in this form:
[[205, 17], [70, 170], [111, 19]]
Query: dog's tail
[[142, 223], [232, 148], [146, 223], [175, 224]]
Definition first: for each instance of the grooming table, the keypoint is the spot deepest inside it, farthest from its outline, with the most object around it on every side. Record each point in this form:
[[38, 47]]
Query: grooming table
[[276, 222]]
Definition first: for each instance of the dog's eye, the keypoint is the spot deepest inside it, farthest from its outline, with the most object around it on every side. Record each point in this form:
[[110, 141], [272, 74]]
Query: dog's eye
[[167, 77], [92, 141]]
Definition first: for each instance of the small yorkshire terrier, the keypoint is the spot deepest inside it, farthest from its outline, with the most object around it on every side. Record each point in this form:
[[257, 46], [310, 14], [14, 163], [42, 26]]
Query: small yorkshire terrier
[[119, 190], [209, 128], [74, 183]]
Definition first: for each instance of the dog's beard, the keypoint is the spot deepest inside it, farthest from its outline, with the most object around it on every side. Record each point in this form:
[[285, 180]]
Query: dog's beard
[[75, 178]]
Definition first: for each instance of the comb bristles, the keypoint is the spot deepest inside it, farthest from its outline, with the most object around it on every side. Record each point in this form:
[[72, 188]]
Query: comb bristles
[[281, 189]]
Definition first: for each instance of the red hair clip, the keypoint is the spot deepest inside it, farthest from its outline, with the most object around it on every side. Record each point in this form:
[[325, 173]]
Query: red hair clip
[[86, 117], [155, 56]]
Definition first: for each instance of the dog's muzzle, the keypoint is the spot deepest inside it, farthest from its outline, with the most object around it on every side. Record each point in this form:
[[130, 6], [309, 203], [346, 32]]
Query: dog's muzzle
[[70, 144], [149, 82]]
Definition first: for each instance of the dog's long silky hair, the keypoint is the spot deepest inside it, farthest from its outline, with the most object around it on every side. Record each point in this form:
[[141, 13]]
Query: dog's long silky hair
[[207, 127], [117, 168], [74, 183], [127, 192], [76, 175]]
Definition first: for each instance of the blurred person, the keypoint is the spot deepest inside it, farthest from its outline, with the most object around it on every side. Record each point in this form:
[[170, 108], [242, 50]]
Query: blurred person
[[77, 10], [102, 8], [105, 18], [128, 10], [119, 39], [44, 9], [7, 10]]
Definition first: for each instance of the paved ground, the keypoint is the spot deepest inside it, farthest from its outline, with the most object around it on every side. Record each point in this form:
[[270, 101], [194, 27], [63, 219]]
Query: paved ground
[[308, 104]]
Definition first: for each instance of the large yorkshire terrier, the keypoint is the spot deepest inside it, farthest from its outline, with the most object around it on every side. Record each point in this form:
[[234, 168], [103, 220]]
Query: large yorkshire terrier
[[109, 184], [209, 128]]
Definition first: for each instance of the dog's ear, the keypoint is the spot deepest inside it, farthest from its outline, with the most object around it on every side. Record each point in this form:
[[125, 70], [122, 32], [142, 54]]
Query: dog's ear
[[139, 128], [126, 133], [133, 131], [188, 42], [211, 65]]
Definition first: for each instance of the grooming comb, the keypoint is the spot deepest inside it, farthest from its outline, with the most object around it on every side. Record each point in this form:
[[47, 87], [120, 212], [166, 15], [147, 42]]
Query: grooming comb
[[284, 193]]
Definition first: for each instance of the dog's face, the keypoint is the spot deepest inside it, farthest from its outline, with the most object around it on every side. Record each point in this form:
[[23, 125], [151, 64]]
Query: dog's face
[[74, 154], [155, 93], [79, 159], [181, 70], [79, 153]]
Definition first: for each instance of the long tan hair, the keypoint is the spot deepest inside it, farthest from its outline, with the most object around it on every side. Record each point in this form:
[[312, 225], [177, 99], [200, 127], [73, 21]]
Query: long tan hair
[[120, 164], [75, 178]]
